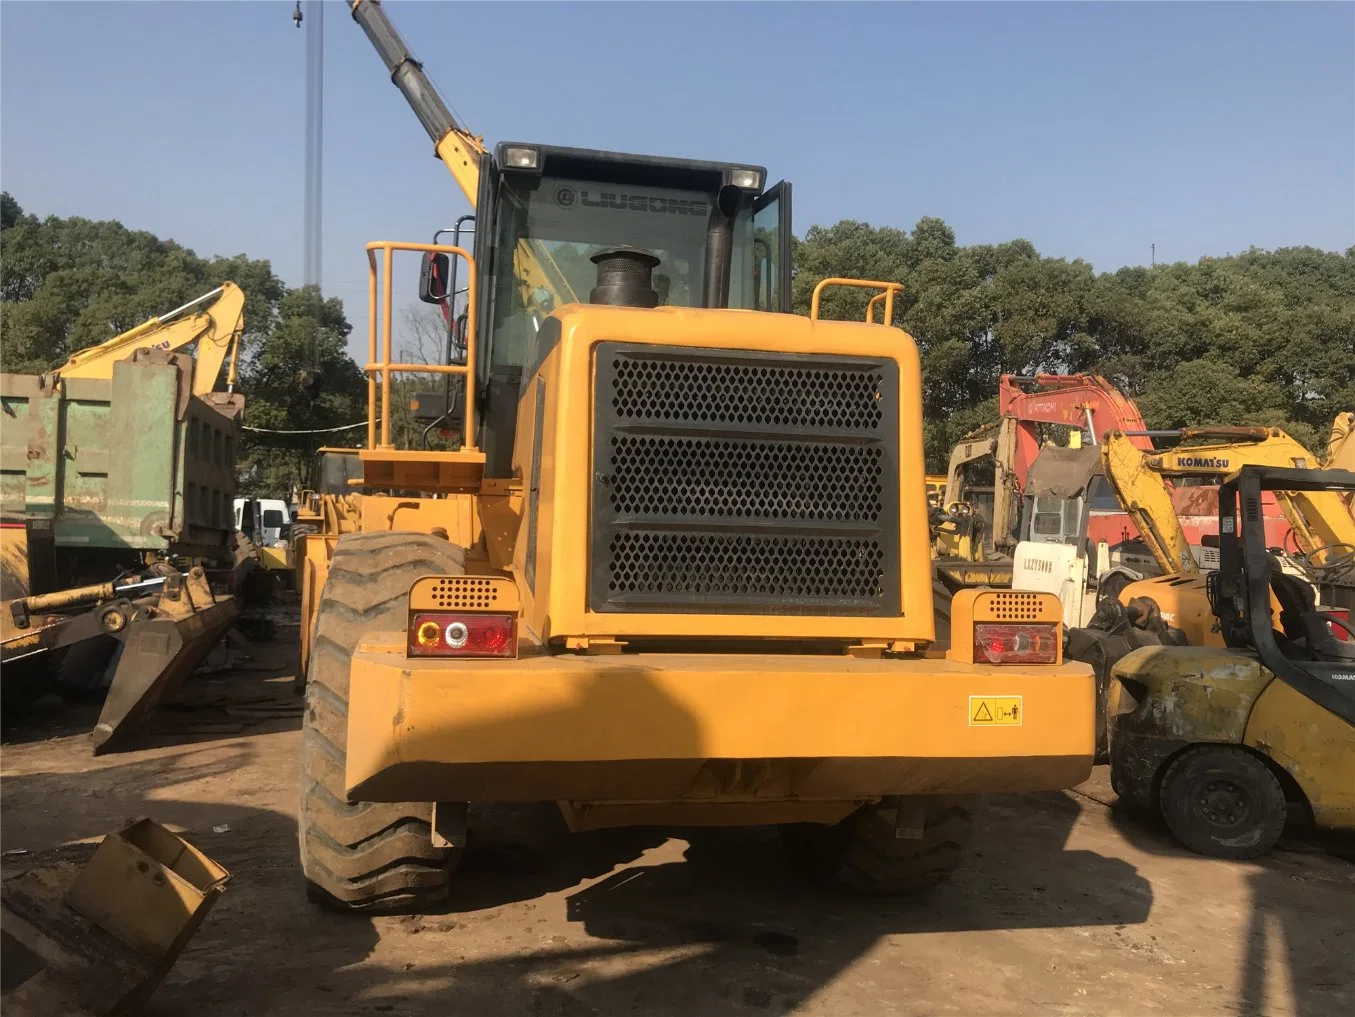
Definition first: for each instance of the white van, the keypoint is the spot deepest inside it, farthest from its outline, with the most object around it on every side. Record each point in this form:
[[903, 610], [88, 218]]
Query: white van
[[262, 519]]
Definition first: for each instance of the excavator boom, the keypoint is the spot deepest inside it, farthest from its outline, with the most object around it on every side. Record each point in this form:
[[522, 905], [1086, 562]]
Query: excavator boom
[[216, 328], [1146, 498], [1084, 401], [1341, 447], [1318, 519]]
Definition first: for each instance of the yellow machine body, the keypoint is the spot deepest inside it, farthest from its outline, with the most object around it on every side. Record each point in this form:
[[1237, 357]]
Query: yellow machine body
[[1314, 746], [554, 606], [710, 728], [630, 716], [713, 737], [1184, 604]]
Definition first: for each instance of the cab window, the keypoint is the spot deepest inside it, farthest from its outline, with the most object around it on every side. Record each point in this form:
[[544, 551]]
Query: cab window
[[553, 226]]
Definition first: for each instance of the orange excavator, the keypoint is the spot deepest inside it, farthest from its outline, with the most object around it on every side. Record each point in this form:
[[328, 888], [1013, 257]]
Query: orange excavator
[[974, 526]]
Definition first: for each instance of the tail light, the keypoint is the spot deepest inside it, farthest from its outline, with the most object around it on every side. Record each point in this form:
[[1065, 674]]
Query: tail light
[[1002, 643], [462, 635]]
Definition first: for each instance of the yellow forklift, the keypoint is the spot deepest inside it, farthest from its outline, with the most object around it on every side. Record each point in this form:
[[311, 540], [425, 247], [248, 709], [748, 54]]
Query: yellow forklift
[[1224, 740]]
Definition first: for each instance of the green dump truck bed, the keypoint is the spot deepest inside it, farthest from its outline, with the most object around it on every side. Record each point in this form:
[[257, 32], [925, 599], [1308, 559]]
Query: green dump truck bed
[[135, 463]]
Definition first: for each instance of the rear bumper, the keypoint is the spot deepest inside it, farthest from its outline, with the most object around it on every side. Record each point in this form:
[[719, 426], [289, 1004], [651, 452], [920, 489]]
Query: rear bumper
[[706, 727]]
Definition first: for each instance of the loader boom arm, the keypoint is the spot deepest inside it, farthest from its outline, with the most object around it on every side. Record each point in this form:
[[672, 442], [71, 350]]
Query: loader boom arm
[[543, 284], [215, 328]]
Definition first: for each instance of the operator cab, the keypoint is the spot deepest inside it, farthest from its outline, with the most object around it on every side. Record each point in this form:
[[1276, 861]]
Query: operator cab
[[544, 213], [1309, 648]]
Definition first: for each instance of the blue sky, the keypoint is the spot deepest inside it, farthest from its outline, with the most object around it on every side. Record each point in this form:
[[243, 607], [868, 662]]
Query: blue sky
[[1093, 130]]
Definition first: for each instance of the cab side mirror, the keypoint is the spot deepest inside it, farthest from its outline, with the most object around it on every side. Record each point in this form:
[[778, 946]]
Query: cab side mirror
[[433, 276]]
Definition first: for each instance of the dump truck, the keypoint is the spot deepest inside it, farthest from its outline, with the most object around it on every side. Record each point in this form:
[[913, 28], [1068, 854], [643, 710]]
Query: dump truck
[[116, 497], [679, 571]]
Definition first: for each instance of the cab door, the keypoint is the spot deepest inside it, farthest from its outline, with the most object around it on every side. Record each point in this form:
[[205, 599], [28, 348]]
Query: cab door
[[771, 249]]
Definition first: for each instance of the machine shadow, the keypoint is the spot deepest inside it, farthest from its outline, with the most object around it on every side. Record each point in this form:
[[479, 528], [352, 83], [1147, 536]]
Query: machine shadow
[[731, 929], [220, 704], [1302, 896]]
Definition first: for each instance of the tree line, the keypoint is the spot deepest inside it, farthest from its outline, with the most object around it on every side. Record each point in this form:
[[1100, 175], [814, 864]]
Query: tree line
[[66, 284], [1263, 337]]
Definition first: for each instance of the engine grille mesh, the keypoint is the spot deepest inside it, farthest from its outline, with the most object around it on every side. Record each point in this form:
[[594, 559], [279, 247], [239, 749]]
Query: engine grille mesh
[[790, 397], [726, 478], [744, 482]]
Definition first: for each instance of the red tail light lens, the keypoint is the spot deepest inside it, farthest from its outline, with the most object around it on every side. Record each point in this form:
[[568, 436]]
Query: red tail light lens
[[462, 635], [999, 643], [1339, 631]]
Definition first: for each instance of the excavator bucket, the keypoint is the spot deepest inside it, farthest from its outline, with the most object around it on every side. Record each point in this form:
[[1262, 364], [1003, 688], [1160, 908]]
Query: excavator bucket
[[97, 940], [158, 653]]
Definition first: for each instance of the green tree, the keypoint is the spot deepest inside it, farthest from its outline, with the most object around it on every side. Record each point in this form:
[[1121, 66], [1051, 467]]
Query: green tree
[[66, 284], [1258, 338], [310, 334]]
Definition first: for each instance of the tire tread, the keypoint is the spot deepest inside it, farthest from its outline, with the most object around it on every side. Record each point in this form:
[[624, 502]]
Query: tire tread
[[364, 856]]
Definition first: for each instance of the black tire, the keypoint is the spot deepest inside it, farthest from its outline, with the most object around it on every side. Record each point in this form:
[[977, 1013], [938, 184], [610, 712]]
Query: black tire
[[1221, 801], [861, 854], [78, 676], [366, 856]]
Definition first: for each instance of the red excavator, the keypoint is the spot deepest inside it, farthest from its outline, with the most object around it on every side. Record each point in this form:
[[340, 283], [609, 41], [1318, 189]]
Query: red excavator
[[976, 520]]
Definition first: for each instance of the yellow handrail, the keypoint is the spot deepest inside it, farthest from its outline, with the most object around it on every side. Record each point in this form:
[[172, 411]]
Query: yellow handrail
[[384, 366], [888, 289]]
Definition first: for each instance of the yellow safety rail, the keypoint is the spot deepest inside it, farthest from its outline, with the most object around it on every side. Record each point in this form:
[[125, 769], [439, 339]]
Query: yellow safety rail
[[384, 367], [887, 291]]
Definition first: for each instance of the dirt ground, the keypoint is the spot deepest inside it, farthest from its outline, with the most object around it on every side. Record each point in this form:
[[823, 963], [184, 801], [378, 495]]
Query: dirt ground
[[1068, 905]]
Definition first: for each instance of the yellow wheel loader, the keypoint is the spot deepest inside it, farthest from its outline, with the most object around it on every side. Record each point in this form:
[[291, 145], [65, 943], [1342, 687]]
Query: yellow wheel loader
[[1224, 741], [679, 571]]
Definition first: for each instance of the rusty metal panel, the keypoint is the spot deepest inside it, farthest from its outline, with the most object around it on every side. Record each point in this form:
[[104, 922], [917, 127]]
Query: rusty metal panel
[[98, 941], [139, 455]]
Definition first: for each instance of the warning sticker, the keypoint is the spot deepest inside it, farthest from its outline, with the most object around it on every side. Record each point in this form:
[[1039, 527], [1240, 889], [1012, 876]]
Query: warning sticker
[[995, 711]]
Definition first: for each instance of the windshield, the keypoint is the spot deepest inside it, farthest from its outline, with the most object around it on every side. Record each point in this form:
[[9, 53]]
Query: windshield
[[568, 221]]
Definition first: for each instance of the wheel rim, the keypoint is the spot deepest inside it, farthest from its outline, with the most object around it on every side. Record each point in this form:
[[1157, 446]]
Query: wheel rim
[[1222, 802]]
